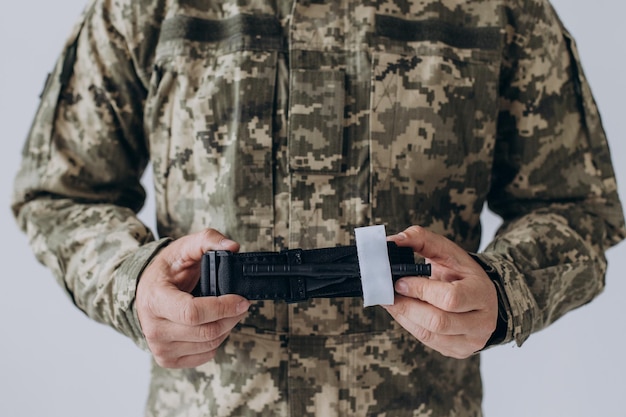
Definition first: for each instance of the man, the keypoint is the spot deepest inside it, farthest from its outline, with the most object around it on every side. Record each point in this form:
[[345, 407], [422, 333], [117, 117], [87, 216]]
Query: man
[[275, 125]]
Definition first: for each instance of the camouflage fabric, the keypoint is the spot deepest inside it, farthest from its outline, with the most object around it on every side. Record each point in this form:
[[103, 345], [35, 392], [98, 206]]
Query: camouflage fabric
[[290, 123]]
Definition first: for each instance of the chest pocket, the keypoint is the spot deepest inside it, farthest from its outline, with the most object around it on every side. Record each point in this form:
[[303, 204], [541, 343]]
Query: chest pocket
[[212, 105], [433, 110], [316, 120]]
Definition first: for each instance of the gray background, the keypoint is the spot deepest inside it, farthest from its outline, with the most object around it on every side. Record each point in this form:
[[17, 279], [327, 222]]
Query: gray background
[[56, 362]]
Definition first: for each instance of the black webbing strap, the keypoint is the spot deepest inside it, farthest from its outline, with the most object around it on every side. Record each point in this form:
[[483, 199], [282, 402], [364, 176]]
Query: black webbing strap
[[296, 274]]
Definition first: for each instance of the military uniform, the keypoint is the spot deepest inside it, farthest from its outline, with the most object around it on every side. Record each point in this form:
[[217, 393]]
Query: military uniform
[[286, 124]]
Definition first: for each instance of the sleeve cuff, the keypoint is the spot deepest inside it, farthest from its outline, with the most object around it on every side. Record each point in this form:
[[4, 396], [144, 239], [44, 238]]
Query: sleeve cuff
[[499, 335], [127, 278]]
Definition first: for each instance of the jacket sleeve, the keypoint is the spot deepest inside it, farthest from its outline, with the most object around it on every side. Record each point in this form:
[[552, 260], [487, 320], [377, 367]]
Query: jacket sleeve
[[553, 182], [78, 189]]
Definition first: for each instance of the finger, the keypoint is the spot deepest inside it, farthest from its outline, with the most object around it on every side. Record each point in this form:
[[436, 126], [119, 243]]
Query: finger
[[448, 333], [192, 361], [454, 297], [459, 346], [432, 246], [186, 361], [188, 250], [169, 332], [182, 308], [171, 352], [416, 315]]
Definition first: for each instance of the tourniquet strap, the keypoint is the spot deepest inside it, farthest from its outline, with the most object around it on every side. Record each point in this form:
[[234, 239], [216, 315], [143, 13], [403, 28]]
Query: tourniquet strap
[[295, 275]]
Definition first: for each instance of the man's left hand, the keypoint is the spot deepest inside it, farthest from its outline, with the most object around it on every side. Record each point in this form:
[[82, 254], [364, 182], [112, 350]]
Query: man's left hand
[[456, 310]]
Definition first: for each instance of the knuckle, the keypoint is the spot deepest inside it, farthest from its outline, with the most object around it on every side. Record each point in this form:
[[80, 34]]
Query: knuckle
[[416, 229], [399, 309], [211, 234], [438, 323], [424, 335], [151, 333], [210, 332], [151, 330], [401, 312], [451, 300], [190, 314], [222, 310]]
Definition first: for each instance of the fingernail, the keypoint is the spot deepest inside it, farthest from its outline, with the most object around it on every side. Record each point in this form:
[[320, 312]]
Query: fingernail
[[402, 287], [243, 306], [401, 236], [226, 243]]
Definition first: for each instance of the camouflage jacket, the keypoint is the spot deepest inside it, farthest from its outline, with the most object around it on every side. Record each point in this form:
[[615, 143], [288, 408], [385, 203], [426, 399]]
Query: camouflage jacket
[[288, 124]]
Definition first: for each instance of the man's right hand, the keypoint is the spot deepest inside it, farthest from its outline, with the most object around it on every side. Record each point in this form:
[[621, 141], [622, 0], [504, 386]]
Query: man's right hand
[[183, 331]]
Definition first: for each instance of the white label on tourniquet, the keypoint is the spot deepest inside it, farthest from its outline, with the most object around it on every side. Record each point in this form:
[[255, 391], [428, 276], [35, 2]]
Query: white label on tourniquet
[[371, 246]]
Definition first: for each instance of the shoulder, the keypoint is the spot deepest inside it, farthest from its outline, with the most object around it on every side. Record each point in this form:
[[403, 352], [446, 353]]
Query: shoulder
[[132, 26], [530, 14]]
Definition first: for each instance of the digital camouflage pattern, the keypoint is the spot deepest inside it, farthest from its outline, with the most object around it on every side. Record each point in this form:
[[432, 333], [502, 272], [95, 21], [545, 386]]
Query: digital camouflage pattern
[[288, 124]]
